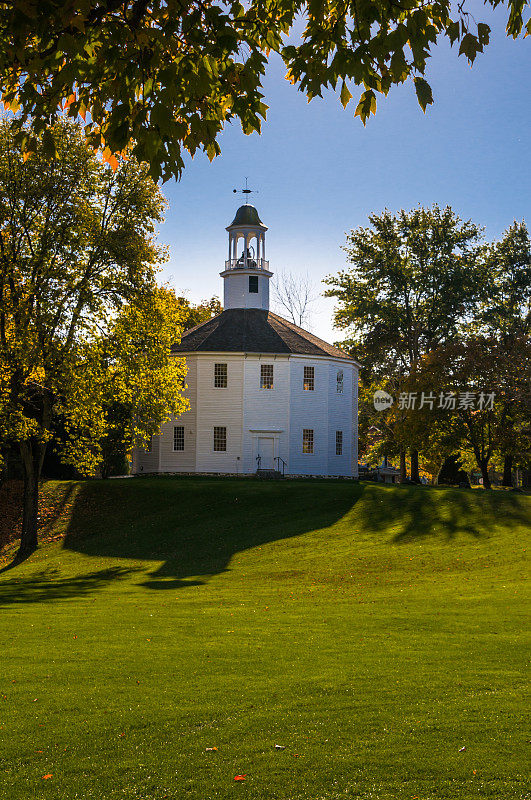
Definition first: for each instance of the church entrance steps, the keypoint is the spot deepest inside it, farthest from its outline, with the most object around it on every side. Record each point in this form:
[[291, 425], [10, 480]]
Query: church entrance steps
[[268, 474]]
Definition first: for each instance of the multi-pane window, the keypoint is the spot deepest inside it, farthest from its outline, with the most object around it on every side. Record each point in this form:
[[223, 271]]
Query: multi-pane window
[[253, 284], [309, 379], [339, 443], [220, 376], [178, 437], [339, 382], [220, 439], [307, 440], [266, 376]]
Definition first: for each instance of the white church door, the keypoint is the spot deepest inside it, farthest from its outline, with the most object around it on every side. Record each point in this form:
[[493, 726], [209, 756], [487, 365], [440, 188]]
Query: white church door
[[266, 452]]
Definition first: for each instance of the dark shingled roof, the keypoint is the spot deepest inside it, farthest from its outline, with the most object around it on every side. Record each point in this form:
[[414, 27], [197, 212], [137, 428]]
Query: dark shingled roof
[[251, 330], [246, 215]]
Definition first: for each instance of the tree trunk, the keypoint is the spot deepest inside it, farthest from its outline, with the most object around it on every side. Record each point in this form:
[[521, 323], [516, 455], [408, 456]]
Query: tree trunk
[[403, 470], [484, 466], [508, 471], [415, 477], [32, 457]]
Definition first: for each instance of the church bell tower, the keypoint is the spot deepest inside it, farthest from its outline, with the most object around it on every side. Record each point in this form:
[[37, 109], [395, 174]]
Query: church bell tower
[[246, 275]]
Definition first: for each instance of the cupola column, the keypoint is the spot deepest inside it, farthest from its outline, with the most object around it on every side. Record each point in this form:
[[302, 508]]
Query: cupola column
[[246, 275]]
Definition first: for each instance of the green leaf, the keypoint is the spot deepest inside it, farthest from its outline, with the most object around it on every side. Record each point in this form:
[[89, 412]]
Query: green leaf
[[48, 144], [161, 115], [345, 96], [483, 33], [452, 31], [424, 94], [366, 106], [470, 47]]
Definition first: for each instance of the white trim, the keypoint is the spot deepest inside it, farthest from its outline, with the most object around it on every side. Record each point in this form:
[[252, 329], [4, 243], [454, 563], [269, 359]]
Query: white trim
[[260, 354], [265, 434], [266, 430], [248, 271]]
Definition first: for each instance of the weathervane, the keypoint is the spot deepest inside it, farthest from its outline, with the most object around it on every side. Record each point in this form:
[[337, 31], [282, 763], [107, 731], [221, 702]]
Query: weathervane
[[245, 191]]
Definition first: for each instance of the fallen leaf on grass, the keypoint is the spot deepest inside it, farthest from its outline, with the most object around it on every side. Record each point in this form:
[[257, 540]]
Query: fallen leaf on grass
[[240, 777], [210, 749], [45, 777]]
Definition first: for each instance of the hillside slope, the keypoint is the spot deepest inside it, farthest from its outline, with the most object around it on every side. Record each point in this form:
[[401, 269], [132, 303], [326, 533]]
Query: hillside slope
[[372, 631]]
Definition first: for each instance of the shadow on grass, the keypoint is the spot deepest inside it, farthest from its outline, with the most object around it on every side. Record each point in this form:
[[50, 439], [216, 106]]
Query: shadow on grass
[[196, 526], [46, 585], [423, 512], [51, 508], [193, 527]]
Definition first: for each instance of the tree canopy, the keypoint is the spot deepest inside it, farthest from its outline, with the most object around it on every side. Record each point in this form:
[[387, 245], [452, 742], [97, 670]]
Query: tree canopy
[[83, 324], [162, 77], [196, 314], [413, 277], [440, 320]]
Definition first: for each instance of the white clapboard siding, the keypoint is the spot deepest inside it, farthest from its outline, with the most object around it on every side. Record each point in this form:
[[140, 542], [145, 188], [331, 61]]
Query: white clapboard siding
[[219, 407], [236, 290], [145, 462], [182, 460], [250, 413], [309, 409], [266, 411], [340, 416]]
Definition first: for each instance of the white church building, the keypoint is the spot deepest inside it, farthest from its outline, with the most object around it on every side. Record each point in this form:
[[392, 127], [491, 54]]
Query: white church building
[[265, 395]]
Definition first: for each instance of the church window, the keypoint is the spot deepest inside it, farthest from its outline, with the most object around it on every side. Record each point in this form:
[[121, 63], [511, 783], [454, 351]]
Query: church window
[[266, 376], [339, 382], [220, 439], [309, 379], [307, 440], [178, 437], [220, 376], [253, 284], [339, 443]]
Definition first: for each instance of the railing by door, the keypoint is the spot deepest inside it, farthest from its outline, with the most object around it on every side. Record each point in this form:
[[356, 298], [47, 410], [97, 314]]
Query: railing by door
[[279, 462]]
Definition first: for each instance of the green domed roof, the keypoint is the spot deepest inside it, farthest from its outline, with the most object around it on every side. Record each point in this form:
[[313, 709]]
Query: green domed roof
[[246, 215]]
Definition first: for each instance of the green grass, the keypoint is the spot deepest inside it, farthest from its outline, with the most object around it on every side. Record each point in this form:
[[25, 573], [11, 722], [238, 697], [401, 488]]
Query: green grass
[[373, 631]]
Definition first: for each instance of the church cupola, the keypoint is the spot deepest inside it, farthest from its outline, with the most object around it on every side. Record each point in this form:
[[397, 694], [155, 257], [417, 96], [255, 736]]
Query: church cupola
[[246, 275]]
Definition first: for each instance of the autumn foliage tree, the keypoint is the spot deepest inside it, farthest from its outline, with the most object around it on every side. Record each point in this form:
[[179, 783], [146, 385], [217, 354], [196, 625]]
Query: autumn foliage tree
[[163, 76], [194, 314], [496, 376], [81, 318], [133, 385]]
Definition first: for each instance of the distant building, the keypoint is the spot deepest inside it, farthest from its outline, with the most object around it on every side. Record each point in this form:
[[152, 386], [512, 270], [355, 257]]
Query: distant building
[[264, 394]]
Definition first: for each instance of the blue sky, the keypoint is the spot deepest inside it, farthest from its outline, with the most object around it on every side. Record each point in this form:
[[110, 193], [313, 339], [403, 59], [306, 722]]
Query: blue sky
[[319, 172]]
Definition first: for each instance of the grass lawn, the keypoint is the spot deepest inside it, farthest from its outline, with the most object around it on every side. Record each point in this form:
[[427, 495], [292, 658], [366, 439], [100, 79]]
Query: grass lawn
[[376, 633]]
